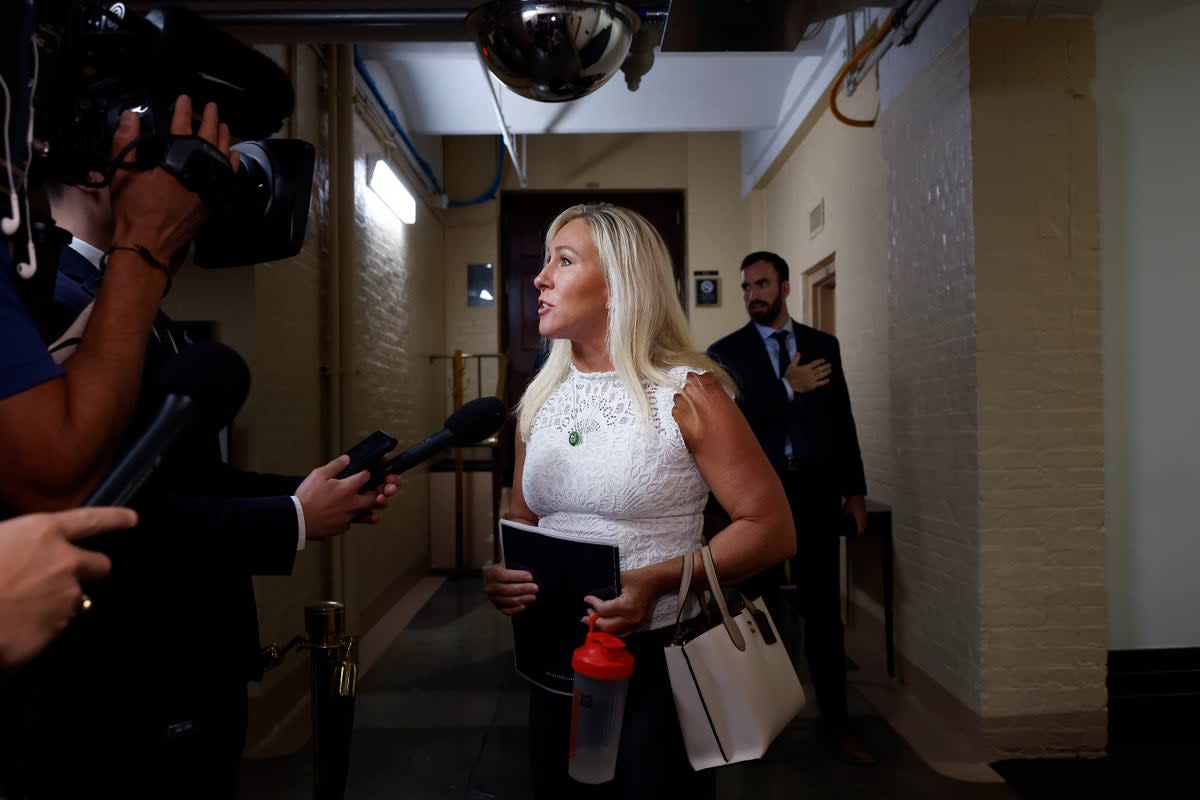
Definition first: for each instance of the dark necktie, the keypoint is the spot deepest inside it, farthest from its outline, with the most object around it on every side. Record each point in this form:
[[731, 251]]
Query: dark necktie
[[790, 438], [780, 338]]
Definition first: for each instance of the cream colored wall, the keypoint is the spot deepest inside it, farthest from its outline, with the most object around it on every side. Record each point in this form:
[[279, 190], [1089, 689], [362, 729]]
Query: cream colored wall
[[471, 237], [1147, 63], [289, 428], [706, 166], [392, 324], [1040, 402]]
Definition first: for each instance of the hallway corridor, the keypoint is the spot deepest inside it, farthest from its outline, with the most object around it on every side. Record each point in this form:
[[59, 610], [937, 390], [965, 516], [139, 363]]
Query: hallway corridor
[[441, 716]]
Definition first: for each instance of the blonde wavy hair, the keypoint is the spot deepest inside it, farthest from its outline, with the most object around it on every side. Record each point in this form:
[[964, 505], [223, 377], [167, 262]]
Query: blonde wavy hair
[[647, 331]]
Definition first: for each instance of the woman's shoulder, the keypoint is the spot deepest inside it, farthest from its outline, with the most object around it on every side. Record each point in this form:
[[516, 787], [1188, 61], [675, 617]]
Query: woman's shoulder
[[703, 387], [699, 379]]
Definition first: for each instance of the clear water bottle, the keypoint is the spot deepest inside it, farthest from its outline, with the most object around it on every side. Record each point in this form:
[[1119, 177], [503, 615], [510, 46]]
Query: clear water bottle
[[602, 668]]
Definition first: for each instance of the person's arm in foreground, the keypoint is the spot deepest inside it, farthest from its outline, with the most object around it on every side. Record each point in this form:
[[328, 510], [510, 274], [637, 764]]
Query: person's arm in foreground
[[41, 573], [60, 435]]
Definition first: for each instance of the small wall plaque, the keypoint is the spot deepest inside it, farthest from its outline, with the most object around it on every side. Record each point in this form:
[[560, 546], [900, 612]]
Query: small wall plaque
[[480, 283], [708, 287]]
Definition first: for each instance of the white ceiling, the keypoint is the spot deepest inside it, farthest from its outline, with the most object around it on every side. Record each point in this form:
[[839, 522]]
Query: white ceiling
[[439, 88], [442, 89]]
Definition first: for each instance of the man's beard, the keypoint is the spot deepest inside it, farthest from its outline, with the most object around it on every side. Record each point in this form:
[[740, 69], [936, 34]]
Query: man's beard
[[765, 315]]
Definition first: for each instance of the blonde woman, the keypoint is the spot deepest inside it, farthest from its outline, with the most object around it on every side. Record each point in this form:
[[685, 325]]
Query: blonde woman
[[623, 433]]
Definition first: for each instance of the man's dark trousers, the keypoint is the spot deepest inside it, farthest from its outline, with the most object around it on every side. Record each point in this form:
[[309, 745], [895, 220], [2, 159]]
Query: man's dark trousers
[[816, 571]]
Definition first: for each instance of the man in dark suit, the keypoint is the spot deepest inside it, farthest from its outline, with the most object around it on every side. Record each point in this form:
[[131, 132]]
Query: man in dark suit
[[147, 692], [794, 395]]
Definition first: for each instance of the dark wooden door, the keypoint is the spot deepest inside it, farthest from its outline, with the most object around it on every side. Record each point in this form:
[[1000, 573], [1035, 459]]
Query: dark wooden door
[[524, 218]]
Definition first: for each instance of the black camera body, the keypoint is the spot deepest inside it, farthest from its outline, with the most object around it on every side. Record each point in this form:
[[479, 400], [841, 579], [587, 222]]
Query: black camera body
[[93, 61]]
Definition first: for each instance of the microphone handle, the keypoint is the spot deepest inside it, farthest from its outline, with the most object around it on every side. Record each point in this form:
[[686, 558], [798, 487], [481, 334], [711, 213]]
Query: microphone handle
[[418, 453], [139, 462]]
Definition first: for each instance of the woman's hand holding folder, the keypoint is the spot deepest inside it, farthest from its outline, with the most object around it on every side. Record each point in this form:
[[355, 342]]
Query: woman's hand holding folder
[[510, 590], [640, 590]]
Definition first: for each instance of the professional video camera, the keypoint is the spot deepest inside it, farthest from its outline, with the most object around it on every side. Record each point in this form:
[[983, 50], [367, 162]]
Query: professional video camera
[[71, 67]]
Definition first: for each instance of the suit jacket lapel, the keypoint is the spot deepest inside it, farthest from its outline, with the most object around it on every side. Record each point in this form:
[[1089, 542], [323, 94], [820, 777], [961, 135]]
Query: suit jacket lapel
[[79, 269]]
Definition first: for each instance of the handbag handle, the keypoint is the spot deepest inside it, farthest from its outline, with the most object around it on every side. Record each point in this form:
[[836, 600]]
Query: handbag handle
[[714, 588], [710, 572], [685, 583]]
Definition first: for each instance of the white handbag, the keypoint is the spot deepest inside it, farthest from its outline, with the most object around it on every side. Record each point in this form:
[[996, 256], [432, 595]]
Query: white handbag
[[734, 684]]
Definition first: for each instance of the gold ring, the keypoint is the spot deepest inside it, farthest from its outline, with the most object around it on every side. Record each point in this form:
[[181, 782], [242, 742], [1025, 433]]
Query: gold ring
[[85, 604]]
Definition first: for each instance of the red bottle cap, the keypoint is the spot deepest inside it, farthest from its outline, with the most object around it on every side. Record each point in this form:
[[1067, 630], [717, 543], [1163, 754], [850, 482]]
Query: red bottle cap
[[602, 656]]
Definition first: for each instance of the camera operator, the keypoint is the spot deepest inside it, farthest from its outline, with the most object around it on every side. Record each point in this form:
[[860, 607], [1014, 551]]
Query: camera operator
[[61, 427], [174, 727], [41, 572]]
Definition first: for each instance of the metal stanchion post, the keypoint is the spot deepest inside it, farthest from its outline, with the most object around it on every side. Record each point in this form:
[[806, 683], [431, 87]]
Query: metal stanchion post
[[334, 686]]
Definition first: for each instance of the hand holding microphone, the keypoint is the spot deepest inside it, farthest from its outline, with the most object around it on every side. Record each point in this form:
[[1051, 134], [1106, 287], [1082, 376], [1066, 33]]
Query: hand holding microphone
[[339, 493], [469, 425], [330, 502]]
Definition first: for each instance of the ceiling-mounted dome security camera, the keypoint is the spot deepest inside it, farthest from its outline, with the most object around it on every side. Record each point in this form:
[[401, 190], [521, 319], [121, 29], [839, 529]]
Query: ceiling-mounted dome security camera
[[553, 51]]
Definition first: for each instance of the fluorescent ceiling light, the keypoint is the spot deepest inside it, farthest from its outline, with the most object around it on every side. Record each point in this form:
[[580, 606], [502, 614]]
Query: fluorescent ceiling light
[[392, 192]]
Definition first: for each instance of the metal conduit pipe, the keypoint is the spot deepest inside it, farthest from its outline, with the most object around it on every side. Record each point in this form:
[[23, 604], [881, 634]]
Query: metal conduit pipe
[[900, 34], [348, 260], [505, 134], [282, 17], [339, 147]]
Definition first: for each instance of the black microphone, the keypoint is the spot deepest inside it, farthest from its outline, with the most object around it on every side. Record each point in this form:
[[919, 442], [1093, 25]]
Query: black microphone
[[475, 421], [204, 385]]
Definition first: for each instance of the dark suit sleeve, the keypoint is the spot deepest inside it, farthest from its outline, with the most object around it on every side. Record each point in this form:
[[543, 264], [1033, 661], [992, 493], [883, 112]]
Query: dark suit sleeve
[[720, 352], [258, 534], [225, 480], [851, 476]]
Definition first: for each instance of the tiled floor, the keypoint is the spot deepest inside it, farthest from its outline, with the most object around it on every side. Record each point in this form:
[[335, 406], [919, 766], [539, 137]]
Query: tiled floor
[[441, 715]]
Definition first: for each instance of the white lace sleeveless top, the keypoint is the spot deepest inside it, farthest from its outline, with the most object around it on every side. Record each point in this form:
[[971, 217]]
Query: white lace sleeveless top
[[625, 480]]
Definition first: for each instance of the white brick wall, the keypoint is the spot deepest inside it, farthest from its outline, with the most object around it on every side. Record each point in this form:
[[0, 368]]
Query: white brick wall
[[392, 323], [1040, 401], [931, 279]]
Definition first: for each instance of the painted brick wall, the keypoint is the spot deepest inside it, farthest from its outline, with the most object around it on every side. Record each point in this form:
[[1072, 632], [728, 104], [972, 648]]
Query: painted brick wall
[[392, 323], [287, 378], [932, 311], [1041, 442]]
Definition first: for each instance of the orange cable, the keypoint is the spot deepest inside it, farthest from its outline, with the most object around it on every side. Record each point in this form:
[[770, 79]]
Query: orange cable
[[863, 51]]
